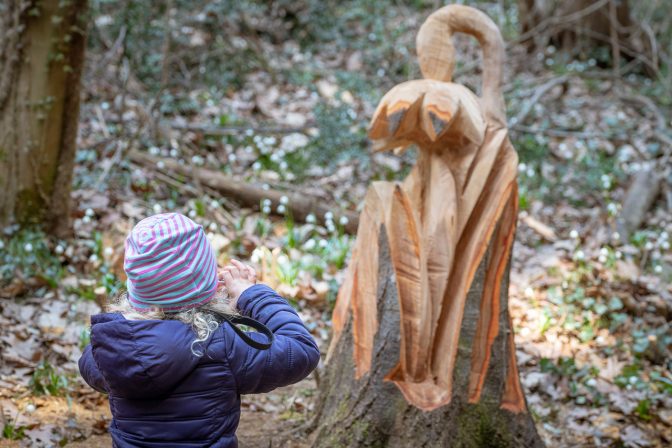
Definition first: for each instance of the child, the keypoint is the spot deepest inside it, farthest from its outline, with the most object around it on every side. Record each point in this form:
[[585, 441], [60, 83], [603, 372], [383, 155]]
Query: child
[[170, 359]]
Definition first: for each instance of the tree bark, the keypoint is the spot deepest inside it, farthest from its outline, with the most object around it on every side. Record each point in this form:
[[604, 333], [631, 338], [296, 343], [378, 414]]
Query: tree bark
[[40, 70]]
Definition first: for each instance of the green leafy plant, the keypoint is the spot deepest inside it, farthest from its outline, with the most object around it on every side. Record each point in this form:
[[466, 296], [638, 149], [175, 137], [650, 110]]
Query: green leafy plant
[[47, 381]]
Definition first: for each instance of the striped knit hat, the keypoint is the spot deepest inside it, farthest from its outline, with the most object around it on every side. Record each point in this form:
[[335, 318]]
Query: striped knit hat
[[170, 264]]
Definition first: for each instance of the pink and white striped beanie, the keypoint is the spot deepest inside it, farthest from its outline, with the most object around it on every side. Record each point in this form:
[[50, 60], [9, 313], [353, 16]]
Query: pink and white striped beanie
[[170, 264]]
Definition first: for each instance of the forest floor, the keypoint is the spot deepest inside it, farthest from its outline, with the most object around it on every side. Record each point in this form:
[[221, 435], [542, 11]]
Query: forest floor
[[591, 307]]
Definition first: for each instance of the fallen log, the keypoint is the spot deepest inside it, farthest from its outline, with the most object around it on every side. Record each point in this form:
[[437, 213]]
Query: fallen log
[[641, 195], [250, 195]]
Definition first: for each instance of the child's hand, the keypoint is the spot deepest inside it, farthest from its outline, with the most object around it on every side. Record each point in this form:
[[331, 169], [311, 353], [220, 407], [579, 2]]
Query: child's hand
[[237, 278]]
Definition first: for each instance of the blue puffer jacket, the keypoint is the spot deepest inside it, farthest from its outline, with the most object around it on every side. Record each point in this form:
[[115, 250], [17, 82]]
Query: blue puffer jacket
[[162, 395]]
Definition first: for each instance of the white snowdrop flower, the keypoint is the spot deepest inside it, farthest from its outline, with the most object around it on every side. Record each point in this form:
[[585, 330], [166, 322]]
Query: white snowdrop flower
[[249, 132], [266, 209], [59, 249], [257, 139], [86, 219], [281, 153], [89, 212], [214, 204], [93, 258], [212, 227], [28, 247], [248, 149], [329, 216], [104, 105], [284, 165], [310, 219], [648, 245], [592, 62], [604, 251], [664, 235], [266, 202], [173, 153], [618, 254], [195, 160], [565, 284], [530, 172], [632, 380], [665, 245], [275, 158], [269, 141], [616, 236], [265, 187], [310, 244], [380, 72], [281, 208], [256, 166], [602, 259], [591, 382], [330, 226], [550, 49], [30, 408], [658, 269], [343, 220], [155, 151], [160, 165], [323, 243], [232, 158], [284, 200], [157, 208], [256, 256], [612, 208], [579, 255], [522, 167], [283, 259], [574, 234], [529, 292], [192, 214], [550, 61], [108, 251]]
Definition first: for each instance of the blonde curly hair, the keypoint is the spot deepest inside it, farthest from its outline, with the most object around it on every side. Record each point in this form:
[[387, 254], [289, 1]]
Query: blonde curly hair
[[204, 319]]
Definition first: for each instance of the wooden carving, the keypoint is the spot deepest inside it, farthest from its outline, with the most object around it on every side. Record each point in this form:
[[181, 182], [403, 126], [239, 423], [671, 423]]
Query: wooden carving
[[458, 200]]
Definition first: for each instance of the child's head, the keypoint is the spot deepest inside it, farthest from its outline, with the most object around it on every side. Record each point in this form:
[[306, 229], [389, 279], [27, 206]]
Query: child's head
[[170, 264], [172, 274]]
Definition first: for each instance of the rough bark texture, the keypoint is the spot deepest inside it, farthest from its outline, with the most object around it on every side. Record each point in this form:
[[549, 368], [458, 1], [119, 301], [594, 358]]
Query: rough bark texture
[[371, 412], [40, 69]]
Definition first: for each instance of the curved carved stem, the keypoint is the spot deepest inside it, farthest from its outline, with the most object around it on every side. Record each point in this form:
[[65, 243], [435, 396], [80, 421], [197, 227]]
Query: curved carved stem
[[436, 52]]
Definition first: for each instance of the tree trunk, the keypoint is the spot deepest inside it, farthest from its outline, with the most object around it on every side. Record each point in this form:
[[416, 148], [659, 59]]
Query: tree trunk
[[373, 412], [422, 352], [579, 27], [41, 60]]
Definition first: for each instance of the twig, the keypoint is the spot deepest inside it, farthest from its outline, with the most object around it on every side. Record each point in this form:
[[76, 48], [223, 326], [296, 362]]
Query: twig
[[557, 132], [613, 34], [538, 93], [229, 130]]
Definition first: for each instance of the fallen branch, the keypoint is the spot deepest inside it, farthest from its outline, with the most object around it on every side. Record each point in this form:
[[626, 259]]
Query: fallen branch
[[640, 197], [248, 195], [232, 130], [538, 93]]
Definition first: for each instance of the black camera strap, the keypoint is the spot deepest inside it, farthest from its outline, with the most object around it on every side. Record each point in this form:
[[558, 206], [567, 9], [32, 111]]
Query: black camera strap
[[235, 320]]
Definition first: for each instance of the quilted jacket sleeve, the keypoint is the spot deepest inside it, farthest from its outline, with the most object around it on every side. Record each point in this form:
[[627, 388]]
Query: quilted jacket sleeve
[[90, 372], [292, 356]]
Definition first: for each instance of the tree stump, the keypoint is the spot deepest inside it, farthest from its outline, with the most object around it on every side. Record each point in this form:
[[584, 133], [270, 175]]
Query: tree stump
[[422, 352]]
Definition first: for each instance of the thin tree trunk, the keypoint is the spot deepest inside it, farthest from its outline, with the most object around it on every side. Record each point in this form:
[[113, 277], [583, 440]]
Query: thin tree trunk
[[40, 69]]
